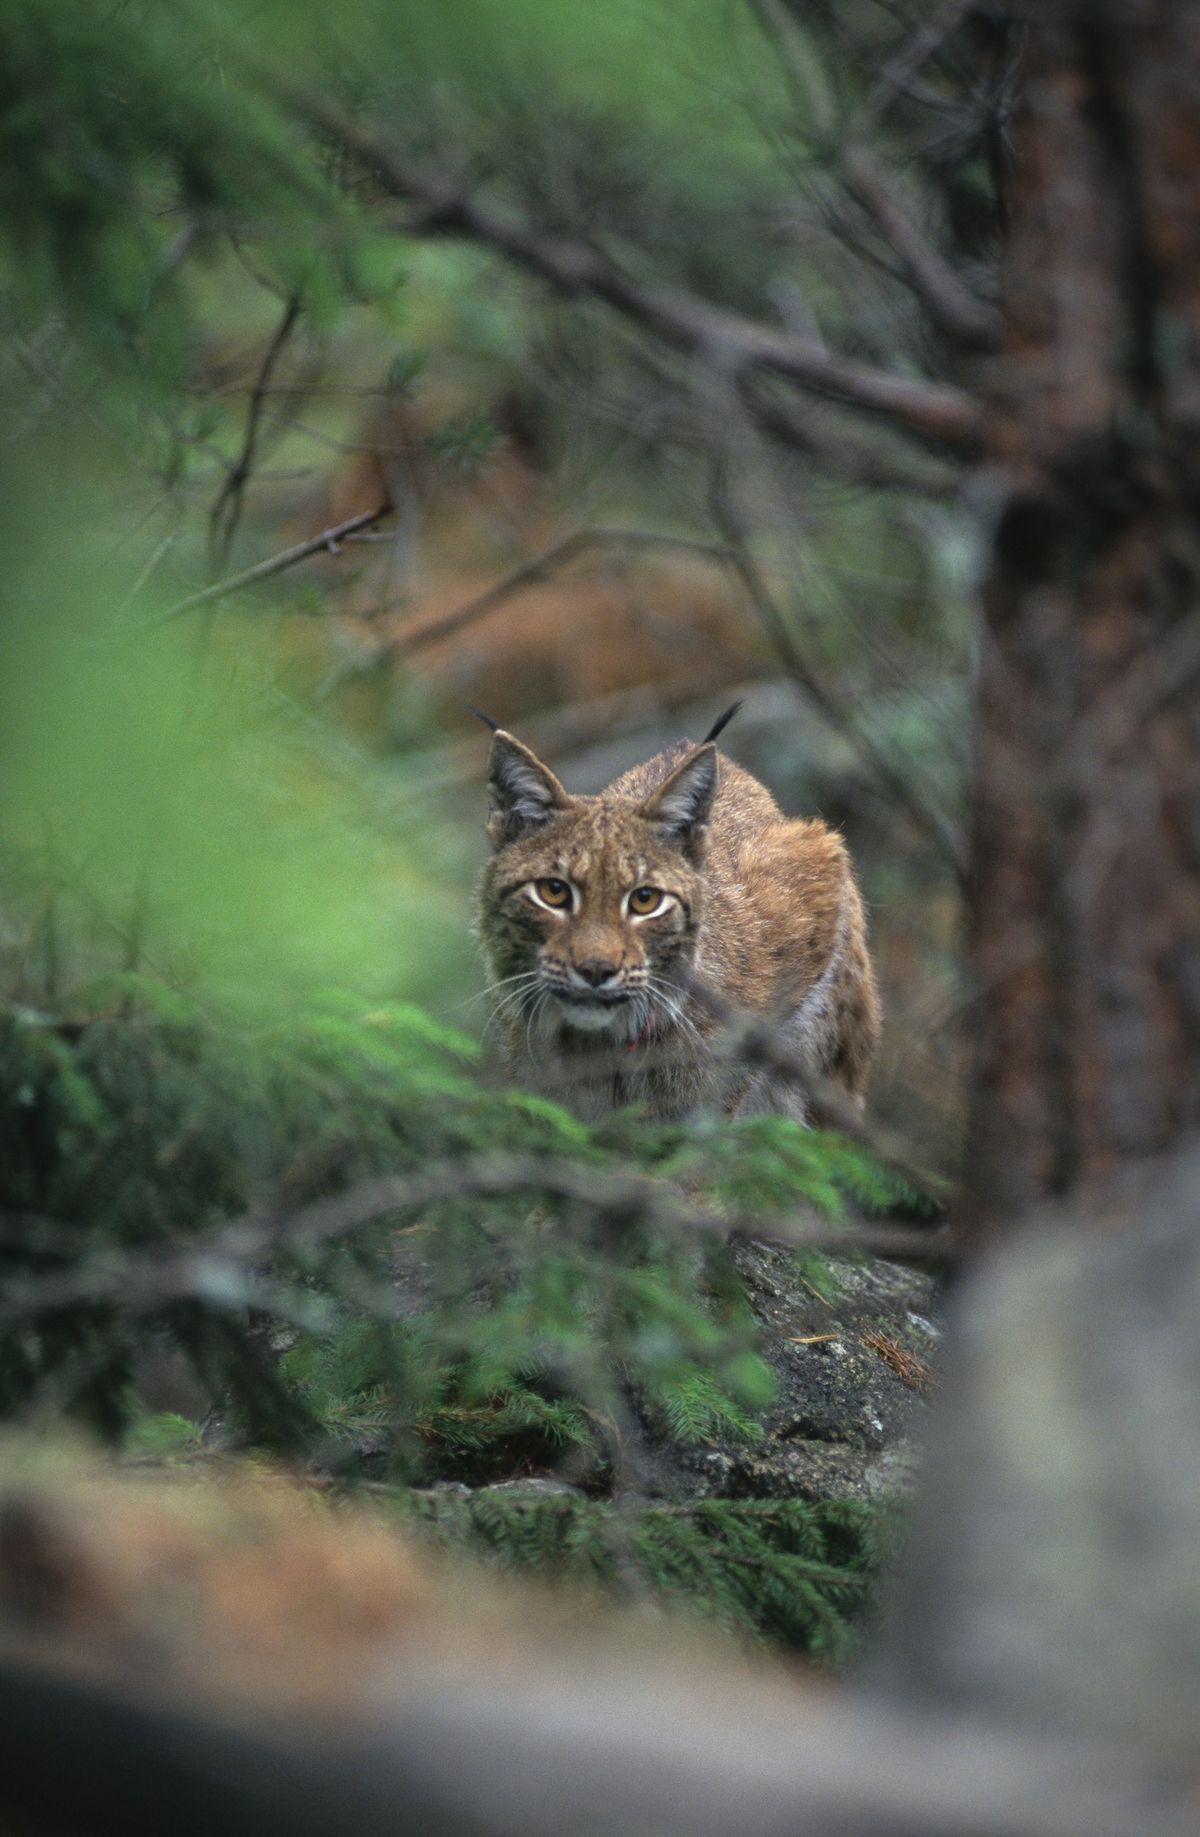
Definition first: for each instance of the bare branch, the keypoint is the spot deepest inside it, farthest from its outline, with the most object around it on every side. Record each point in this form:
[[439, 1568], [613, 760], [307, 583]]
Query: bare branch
[[853, 458], [226, 512], [442, 207], [448, 624], [734, 553], [753, 1041], [287, 558], [933, 826], [922, 41], [743, 1037], [951, 305]]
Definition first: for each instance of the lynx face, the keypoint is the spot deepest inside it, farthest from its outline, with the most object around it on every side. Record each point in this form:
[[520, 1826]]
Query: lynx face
[[590, 908]]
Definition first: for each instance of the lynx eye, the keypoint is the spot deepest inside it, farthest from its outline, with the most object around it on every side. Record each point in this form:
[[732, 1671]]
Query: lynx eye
[[645, 900], [553, 893]]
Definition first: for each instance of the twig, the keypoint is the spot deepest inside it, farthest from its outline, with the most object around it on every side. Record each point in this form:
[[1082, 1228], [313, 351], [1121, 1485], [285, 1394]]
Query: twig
[[156, 556], [226, 512], [935, 411], [931, 825], [752, 1040], [263, 570], [954, 309], [951, 305], [846, 457], [448, 624], [141, 1281], [920, 44]]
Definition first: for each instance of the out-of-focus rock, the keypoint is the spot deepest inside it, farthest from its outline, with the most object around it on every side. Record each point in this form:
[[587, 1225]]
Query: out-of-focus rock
[[1054, 1574]]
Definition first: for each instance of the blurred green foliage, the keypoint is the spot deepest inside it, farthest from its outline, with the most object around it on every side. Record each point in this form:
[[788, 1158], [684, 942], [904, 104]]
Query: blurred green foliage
[[163, 777], [128, 141]]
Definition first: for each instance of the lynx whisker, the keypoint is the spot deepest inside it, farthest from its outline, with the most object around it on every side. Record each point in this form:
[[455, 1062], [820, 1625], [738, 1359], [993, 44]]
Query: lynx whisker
[[513, 996], [504, 981], [516, 1000], [535, 1013], [490, 988], [515, 992], [670, 999]]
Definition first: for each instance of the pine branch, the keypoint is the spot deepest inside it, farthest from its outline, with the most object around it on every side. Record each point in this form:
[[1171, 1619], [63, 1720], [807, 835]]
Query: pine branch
[[141, 1281]]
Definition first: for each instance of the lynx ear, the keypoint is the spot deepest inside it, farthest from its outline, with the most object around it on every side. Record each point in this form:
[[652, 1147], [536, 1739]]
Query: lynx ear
[[681, 807], [522, 792]]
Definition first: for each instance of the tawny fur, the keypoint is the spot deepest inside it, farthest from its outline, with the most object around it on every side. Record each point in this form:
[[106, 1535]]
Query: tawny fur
[[763, 912]]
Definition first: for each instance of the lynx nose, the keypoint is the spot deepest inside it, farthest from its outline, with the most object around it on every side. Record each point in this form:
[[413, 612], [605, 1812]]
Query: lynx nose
[[596, 970]]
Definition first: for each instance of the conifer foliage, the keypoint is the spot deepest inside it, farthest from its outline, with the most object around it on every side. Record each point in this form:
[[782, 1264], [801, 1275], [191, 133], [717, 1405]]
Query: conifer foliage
[[360, 1248], [796, 1573]]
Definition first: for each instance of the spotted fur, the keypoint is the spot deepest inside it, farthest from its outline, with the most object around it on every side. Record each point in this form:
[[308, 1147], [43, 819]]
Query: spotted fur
[[600, 1005]]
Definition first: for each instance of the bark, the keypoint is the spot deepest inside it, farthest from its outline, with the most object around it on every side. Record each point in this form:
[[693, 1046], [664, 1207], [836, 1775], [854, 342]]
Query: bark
[[1085, 893]]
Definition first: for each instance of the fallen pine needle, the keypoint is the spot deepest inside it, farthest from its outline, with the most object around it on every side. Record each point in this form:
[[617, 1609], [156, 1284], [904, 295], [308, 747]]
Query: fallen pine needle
[[910, 1370]]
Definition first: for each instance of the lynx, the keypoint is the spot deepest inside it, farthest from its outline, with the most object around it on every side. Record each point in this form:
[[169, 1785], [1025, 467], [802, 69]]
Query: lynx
[[622, 929]]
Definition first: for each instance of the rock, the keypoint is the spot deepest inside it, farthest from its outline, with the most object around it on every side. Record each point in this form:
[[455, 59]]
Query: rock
[[535, 1487], [852, 1372], [1052, 1579]]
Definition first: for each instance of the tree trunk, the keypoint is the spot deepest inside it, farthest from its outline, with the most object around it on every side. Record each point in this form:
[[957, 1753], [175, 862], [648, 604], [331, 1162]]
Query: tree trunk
[[1085, 907]]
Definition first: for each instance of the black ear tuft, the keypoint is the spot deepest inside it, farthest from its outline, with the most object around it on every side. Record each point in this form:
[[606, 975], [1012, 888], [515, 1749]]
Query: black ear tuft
[[719, 728], [524, 794], [485, 718], [682, 805]]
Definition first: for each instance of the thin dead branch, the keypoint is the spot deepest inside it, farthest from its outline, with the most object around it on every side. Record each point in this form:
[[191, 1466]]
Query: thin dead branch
[[753, 1040], [226, 513], [922, 42], [792, 659], [879, 465], [557, 556], [951, 305], [327, 539]]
